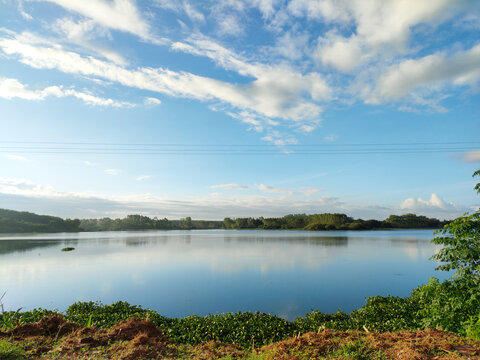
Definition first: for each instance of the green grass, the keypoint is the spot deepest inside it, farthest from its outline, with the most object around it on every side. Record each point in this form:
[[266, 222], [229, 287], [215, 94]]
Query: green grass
[[10, 351], [359, 350]]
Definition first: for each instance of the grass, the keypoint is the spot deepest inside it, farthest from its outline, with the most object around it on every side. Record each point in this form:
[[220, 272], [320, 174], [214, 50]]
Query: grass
[[325, 345], [248, 336], [359, 350], [10, 351]]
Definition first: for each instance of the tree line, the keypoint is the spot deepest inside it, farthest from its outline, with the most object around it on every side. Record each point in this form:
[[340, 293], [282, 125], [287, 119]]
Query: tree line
[[139, 222], [17, 222], [21, 221], [334, 222]]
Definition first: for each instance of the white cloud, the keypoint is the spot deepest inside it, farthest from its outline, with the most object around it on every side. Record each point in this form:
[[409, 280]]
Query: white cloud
[[23, 194], [17, 192], [22, 11], [320, 10], [12, 88], [120, 15], [151, 101], [279, 139], [185, 7], [277, 91], [193, 13], [266, 7], [459, 69], [230, 25], [88, 163], [291, 45], [331, 137], [112, 171], [84, 33], [15, 157], [380, 26], [249, 118], [309, 191], [143, 177], [73, 30], [435, 201], [472, 156], [229, 186], [271, 189], [13, 186], [343, 54], [94, 100]]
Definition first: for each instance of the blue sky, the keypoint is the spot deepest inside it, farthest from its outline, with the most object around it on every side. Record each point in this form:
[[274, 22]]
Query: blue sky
[[239, 108]]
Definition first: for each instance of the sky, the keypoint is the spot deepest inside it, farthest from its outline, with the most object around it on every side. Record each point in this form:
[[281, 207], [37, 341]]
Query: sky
[[237, 108]]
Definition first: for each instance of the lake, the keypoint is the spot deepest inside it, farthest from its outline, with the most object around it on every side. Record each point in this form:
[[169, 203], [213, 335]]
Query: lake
[[179, 273]]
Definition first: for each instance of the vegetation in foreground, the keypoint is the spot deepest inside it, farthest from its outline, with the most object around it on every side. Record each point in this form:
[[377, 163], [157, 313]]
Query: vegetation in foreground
[[55, 338], [21, 222]]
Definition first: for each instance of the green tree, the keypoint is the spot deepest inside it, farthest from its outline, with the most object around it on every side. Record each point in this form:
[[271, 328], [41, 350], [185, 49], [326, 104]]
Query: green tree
[[477, 187], [461, 244], [186, 224], [455, 303]]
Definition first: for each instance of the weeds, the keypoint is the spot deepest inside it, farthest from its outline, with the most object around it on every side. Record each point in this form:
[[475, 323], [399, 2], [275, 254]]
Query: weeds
[[359, 350], [10, 351]]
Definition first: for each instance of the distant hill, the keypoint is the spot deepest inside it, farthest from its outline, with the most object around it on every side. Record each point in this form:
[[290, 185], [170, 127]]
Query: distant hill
[[21, 221]]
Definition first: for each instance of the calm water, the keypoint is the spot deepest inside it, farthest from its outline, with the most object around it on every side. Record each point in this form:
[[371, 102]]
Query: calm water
[[179, 273]]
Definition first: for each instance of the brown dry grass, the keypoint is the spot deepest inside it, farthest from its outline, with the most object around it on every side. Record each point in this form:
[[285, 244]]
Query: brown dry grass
[[403, 345], [55, 338]]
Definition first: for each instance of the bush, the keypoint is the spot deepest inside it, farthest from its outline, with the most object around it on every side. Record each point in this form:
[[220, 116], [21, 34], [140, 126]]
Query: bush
[[12, 319], [315, 320], [387, 313], [449, 305], [473, 327], [243, 328], [99, 315]]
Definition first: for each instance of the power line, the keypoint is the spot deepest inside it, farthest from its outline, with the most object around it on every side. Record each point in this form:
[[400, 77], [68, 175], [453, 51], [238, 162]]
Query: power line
[[360, 152], [240, 145], [81, 149], [44, 147]]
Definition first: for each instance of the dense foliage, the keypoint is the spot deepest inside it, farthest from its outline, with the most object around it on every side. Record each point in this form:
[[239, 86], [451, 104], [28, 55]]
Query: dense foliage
[[139, 222], [380, 313], [243, 328], [333, 222], [455, 303], [16, 222]]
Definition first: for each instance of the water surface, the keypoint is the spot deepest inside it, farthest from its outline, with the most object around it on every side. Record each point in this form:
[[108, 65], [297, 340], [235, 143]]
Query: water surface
[[179, 273]]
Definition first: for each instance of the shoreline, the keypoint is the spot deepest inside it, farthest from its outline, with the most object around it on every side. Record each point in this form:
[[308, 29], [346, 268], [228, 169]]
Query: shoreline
[[54, 336]]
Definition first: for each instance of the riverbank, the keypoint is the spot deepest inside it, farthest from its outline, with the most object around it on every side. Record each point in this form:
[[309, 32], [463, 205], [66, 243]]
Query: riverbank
[[373, 331], [53, 337]]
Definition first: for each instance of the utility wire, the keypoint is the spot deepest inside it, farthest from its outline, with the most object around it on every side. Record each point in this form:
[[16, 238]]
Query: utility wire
[[44, 147], [240, 145], [241, 153]]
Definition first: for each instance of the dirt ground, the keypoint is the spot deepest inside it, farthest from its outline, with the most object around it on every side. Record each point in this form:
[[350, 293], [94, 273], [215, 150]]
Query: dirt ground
[[55, 338]]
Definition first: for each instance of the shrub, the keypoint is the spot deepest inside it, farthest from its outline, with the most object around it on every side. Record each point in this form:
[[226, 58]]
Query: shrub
[[387, 313]]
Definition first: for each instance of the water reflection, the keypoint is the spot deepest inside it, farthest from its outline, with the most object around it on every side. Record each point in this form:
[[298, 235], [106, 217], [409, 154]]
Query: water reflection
[[198, 272], [9, 246]]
